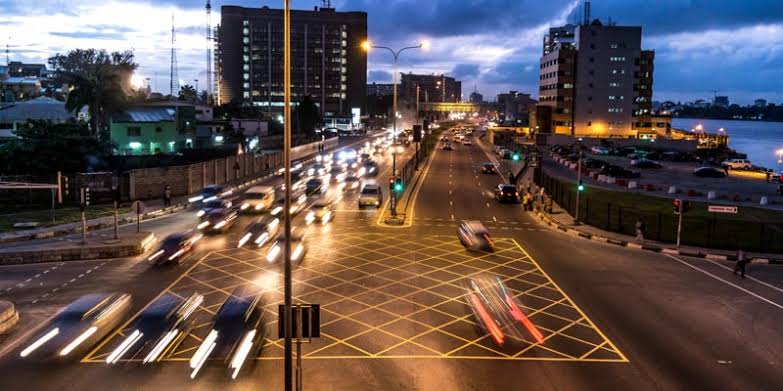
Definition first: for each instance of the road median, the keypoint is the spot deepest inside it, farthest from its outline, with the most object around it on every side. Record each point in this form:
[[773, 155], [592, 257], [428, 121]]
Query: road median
[[128, 246]]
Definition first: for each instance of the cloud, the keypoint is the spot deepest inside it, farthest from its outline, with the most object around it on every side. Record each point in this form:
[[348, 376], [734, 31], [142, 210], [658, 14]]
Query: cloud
[[465, 71], [88, 35]]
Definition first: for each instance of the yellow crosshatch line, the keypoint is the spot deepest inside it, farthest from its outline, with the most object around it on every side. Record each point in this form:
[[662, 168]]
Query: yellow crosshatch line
[[396, 247]]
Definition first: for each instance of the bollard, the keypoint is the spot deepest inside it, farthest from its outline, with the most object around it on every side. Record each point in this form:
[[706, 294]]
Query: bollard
[[764, 201], [632, 185], [672, 190], [711, 195]]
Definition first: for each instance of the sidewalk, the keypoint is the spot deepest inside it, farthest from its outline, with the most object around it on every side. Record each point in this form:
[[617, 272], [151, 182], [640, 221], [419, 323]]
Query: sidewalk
[[561, 220]]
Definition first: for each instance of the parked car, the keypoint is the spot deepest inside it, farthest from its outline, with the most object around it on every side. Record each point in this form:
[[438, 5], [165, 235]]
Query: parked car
[[737, 164], [645, 163], [593, 163], [618, 172], [709, 172], [600, 150]]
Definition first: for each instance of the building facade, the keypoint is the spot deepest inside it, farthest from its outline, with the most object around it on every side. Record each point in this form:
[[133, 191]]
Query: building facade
[[515, 106], [598, 86], [380, 89], [327, 60], [432, 88]]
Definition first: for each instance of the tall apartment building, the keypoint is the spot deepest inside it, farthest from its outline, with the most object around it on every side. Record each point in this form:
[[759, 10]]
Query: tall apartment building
[[327, 60], [432, 88], [596, 84], [380, 89]]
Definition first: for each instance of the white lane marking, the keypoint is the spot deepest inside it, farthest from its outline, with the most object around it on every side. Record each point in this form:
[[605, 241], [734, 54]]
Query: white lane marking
[[768, 285], [764, 299]]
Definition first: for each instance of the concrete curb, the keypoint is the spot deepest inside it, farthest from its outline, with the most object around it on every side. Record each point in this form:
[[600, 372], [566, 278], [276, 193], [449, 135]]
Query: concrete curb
[[96, 250], [648, 247], [8, 316]]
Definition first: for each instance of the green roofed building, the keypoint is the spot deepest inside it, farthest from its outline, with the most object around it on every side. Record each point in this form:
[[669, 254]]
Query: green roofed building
[[154, 129]]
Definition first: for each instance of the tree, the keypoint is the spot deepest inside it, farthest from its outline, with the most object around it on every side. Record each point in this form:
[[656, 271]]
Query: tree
[[187, 93], [96, 79], [307, 116], [44, 147]]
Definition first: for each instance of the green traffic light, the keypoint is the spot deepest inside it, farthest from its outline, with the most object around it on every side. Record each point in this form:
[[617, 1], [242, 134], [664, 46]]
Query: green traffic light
[[581, 187], [398, 187], [516, 157]]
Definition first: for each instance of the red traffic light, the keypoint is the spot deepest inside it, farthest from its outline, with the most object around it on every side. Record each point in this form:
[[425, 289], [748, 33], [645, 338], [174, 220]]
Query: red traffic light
[[391, 180]]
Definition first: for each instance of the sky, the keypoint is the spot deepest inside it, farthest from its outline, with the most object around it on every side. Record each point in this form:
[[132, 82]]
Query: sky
[[734, 47]]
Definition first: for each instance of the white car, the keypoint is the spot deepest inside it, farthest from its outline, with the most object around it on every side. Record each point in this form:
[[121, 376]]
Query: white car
[[599, 150], [371, 195], [258, 199], [737, 164]]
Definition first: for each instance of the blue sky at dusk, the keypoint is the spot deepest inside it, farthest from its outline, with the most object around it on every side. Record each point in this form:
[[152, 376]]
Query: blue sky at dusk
[[735, 47]]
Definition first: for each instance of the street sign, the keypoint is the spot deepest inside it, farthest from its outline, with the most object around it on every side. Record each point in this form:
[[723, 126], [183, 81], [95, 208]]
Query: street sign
[[722, 209], [306, 315], [138, 207]]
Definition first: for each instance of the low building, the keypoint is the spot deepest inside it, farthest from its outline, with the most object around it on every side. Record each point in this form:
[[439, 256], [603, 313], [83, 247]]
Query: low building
[[154, 129], [43, 108], [18, 88], [515, 107]]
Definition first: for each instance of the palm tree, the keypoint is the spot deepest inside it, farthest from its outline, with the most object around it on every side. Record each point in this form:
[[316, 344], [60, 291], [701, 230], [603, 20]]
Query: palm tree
[[101, 91], [188, 93]]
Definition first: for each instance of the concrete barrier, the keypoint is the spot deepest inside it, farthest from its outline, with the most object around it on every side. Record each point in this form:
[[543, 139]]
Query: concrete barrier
[[130, 245], [672, 190], [764, 201], [632, 185], [8, 316], [711, 195]]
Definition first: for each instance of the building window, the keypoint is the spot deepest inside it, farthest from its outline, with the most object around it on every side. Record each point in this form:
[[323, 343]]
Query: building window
[[134, 131], [616, 59], [615, 84], [158, 129], [615, 109]]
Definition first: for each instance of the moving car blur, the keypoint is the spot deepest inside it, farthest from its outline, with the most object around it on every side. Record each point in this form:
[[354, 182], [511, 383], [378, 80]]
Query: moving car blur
[[260, 231], [79, 326], [474, 235], [275, 252], [175, 248], [320, 212]]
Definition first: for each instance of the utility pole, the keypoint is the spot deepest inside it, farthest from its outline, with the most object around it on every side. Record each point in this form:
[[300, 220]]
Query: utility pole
[[578, 185], [288, 373]]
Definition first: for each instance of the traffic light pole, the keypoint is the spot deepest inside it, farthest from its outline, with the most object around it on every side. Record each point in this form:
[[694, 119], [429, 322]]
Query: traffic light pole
[[393, 200], [679, 224], [578, 182]]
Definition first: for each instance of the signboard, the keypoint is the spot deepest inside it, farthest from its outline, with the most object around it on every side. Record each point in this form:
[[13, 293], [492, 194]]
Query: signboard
[[722, 209], [356, 116]]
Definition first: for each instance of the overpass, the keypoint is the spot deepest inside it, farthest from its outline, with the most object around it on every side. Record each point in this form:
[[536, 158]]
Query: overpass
[[449, 107]]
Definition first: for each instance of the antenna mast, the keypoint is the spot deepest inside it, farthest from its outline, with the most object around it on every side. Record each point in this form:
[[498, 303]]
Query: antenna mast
[[174, 82], [209, 54]]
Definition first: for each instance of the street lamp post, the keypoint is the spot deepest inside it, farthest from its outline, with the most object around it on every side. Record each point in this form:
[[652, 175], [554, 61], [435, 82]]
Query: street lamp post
[[578, 185], [779, 152], [288, 371], [367, 45]]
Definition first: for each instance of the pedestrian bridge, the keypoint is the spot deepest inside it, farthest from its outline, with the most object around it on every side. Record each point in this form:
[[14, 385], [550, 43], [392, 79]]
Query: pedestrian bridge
[[449, 107]]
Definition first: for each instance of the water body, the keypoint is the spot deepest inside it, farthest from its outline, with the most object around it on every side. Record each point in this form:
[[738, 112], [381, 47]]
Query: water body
[[758, 139]]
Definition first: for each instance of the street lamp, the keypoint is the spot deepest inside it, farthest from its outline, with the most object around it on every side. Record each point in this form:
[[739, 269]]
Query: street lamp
[[779, 152], [367, 45]]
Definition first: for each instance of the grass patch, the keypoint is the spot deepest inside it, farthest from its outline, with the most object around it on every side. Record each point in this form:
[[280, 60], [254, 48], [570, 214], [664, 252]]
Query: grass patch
[[63, 215], [752, 229]]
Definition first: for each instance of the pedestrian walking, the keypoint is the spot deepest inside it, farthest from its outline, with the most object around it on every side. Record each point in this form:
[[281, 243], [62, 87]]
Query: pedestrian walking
[[741, 262], [640, 231], [166, 196]]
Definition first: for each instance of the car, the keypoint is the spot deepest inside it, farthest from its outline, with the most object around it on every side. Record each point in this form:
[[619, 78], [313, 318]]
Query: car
[[507, 193], [298, 249], [218, 221], [474, 236], [317, 169], [314, 186], [158, 330], [371, 195], [737, 164], [364, 156], [320, 212], [709, 172], [238, 332], [214, 204], [497, 311], [210, 192], [78, 327], [489, 168], [600, 150], [467, 142], [618, 172], [447, 147], [258, 199], [298, 200], [175, 248], [370, 168], [351, 182], [624, 151], [444, 138], [593, 163], [260, 231], [507, 155], [645, 163]]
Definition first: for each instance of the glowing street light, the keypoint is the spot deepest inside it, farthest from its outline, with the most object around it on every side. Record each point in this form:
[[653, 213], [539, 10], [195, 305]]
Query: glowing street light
[[779, 152], [367, 46]]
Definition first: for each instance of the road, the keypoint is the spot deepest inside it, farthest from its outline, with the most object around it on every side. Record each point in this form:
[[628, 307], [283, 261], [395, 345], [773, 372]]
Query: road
[[393, 317]]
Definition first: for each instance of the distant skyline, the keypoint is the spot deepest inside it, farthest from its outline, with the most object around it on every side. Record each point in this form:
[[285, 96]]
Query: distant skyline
[[730, 46]]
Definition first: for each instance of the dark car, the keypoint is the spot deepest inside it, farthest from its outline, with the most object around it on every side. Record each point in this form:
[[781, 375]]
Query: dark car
[[174, 248], [618, 172], [209, 193], [447, 147], [489, 168], [260, 231], [314, 186], [624, 151], [214, 204], [218, 220], [645, 163], [159, 329], [79, 326], [507, 193], [237, 333], [709, 172], [593, 163]]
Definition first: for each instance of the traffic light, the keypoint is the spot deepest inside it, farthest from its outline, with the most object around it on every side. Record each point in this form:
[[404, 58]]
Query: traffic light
[[65, 185], [516, 156], [84, 197], [580, 187], [680, 206], [417, 133], [398, 185]]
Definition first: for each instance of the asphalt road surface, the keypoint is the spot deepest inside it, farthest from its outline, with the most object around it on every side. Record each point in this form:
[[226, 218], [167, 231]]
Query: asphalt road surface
[[394, 316]]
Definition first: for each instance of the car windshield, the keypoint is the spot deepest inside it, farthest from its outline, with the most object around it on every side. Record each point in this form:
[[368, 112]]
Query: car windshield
[[214, 204], [256, 196], [370, 191]]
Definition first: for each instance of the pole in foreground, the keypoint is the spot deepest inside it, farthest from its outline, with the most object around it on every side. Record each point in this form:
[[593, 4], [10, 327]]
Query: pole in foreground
[[288, 381]]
